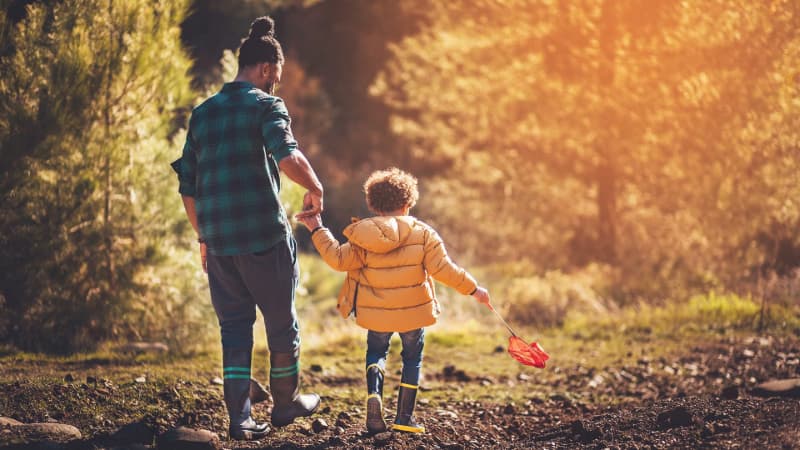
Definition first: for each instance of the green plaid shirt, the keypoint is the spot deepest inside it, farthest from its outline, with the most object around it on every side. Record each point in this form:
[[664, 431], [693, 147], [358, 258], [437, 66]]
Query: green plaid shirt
[[230, 166]]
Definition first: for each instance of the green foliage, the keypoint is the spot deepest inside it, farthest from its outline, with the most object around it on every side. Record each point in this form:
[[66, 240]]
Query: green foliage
[[723, 310], [88, 104], [546, 300], [316, 304], [659, 139], [716, 313], [587, 154]]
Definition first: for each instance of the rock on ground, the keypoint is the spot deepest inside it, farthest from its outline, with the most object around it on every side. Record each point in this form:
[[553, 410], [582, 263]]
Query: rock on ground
[[8, 422], [41, 435], [383, 438], [674, 418], [730, 393], [319, 425], [789, 387], [183, 438]]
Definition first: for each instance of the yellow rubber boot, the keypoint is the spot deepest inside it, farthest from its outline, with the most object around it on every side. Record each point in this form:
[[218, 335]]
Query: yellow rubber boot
[[406, 401]]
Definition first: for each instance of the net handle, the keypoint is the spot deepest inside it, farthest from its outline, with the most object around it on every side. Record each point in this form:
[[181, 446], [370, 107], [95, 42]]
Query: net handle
[[503, 320]]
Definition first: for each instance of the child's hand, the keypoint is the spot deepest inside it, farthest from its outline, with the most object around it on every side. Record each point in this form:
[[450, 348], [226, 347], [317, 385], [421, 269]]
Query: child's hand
[[311, 222], [482, 296]]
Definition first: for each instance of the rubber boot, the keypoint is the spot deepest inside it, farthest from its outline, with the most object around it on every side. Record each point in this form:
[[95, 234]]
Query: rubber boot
[[284, 379], [236, 387], [406, 401], [375, 422]]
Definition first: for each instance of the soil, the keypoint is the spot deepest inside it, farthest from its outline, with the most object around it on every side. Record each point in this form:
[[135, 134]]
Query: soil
[[700, 399]]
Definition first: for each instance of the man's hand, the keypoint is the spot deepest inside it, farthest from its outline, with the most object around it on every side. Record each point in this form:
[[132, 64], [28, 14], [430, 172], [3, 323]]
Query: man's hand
[[311, 222], [482, 296], [203, 257], [312, 205]]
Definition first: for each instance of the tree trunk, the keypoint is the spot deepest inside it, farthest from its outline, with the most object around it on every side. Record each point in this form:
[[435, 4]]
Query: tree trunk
[[607, 212], [108, 235], [606, 175], [108, 232]]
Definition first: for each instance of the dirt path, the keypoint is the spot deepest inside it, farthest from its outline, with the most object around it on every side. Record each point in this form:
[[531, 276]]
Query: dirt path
[[699, 399]]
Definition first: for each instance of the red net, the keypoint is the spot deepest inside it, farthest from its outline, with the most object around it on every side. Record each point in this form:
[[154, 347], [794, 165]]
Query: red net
[[529, 354]]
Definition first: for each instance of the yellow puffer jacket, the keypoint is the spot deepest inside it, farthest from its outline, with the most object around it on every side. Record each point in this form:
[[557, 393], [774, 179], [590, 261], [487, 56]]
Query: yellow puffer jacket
[[391, 263]]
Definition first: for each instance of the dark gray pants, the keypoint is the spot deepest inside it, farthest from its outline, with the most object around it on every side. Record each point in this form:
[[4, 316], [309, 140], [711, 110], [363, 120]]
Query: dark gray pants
[[239, 284], [266, 280]]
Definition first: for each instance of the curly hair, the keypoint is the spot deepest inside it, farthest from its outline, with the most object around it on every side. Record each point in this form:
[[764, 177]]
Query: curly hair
[[390, 190]]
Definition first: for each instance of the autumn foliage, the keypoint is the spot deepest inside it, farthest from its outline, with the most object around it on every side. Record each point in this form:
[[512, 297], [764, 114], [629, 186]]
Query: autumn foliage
[[658, 138], [594, 152]]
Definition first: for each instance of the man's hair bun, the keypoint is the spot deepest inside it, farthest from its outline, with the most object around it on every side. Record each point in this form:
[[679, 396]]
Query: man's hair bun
[[261, 46], [263, 26]]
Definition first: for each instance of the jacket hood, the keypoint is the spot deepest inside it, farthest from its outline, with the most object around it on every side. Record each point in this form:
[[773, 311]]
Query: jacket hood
[[380, 234]]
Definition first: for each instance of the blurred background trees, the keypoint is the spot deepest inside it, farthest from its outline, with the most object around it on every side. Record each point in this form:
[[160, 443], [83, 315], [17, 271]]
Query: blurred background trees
[[609, 151], [90, 95], [615, 132]]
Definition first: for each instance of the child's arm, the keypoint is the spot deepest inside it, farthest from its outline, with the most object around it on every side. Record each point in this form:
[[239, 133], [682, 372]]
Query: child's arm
[[340, 257], [442, 268]]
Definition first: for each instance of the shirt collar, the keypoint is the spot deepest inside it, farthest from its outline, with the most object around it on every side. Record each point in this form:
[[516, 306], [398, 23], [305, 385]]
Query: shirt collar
[[233, 85]]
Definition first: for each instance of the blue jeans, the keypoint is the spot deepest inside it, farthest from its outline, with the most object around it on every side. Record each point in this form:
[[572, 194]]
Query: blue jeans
[[413, 343]]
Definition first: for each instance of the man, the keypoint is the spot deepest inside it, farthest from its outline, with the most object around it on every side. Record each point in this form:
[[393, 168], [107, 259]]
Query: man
[[238, 141]]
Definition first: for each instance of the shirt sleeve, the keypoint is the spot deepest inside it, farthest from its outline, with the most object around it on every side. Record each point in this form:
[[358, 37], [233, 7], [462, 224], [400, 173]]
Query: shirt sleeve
[[186, 168], [277, 131]]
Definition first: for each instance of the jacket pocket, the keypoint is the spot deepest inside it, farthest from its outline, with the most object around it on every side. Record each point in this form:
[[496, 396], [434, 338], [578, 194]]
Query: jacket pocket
[[355, 300], [347, 298]]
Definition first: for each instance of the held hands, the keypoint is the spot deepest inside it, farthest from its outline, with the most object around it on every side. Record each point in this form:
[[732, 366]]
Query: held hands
[[482, 296], [311, 222], [312, 205]]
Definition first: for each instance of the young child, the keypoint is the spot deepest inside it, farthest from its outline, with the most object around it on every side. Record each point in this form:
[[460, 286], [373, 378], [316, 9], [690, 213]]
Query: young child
[[391, 261]]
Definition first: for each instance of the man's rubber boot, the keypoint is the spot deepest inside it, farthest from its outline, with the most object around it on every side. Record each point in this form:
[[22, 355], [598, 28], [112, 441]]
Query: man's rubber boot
[[284, 380], [249, 430], [406, 401], [375, 422], [236, 387]]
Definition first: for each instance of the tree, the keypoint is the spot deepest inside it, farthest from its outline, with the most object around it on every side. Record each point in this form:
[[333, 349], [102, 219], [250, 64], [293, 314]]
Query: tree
[[597, 130], [92, 96]]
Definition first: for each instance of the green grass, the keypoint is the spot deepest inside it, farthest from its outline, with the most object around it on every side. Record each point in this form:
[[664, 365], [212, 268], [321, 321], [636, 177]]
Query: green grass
[[702, 314], [468, 337]]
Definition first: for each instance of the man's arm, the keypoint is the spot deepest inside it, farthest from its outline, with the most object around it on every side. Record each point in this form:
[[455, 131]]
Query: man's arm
[[191, 212], [298, 169], [186, 168], [278, 139]]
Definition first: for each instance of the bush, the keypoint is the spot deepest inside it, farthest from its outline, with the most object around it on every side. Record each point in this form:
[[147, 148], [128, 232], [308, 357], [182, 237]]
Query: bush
[[547, 300], [90, 101], [713, 312]]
